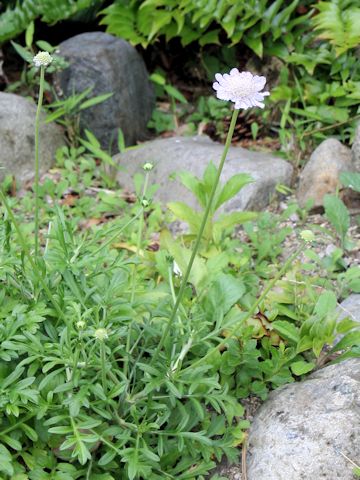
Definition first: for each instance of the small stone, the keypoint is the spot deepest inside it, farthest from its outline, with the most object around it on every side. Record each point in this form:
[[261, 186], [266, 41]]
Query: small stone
[[321, 174], [17, 138]]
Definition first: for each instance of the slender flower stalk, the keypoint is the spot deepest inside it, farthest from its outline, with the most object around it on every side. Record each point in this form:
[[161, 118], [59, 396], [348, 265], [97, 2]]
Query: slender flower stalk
[[41, 60], [37, 162], [186, 276], [147, 167]]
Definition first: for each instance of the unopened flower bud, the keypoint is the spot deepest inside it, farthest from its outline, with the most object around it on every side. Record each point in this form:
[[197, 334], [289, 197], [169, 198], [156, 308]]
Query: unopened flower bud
[[307, 235], [148, 166], [101, 334], [145, 203], [80, 324]]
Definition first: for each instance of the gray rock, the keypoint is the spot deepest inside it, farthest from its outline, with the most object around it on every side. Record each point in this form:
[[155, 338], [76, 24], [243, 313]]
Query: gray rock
[[109, 64], [176, 154], [303, 429], [321, 174], [355, 150], [350, 307], [17, 145]]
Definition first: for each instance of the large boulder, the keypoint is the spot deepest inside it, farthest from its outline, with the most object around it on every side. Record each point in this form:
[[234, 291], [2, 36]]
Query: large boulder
[[17, 133], [305, 430], [173, 155], [321, 174], [355, 150], [350, 307], [109, 65]]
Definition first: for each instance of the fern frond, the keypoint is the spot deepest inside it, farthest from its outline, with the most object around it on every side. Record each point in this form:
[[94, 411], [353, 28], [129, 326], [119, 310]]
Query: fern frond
[[338, 21], [15, 20], [54, 10]]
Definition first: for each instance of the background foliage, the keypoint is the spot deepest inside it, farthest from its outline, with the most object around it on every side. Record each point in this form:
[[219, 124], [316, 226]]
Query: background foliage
[[317, 79]]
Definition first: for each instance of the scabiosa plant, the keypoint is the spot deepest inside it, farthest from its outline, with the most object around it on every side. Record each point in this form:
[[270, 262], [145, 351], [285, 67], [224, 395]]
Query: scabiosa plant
[[244, 90], [41, 60]]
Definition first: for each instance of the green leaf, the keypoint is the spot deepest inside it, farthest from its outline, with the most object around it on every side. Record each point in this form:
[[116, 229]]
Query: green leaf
[[61, 430], [232, 219], [14, 444], [337, 214], [356, 471], [6, 461], [158, 78], [45, 46], [349, 340], [95, 100], [29, 34], [182, 211], [255, 43], [225, 291], [192, 183], [210, 37], [325, 304], [351, 180], [286, 330], [301, 367], [232, 187], [182, 256], [174, 93], [24, 54]]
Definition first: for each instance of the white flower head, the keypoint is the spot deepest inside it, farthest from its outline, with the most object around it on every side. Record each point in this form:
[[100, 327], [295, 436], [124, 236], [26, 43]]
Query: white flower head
[[242, 88], [42, 59]]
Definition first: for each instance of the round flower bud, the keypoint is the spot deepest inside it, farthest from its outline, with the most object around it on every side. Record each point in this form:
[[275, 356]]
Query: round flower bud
[[148, 166], [307, 236], [101, 334], [80, 324], [42, 59], [145, 203]]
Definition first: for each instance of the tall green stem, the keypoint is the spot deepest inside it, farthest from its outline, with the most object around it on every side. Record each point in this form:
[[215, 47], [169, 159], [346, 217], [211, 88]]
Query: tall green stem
[[103, 366], [199, 236], [37, 162], [139, 238]]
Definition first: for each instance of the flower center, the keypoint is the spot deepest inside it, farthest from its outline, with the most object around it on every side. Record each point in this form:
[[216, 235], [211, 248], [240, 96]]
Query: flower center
[[242, 87]]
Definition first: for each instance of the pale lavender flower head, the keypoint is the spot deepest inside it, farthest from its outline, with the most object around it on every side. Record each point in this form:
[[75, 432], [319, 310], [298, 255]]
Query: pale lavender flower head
[[242, 88]]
